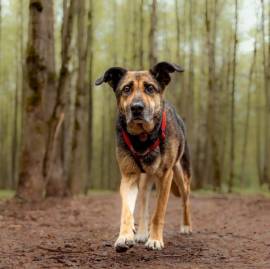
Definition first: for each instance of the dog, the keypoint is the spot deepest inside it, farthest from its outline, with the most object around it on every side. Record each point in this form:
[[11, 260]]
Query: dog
[[151, 149]]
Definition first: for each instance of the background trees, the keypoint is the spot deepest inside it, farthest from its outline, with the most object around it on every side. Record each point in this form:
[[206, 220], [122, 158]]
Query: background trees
[[57, 129]]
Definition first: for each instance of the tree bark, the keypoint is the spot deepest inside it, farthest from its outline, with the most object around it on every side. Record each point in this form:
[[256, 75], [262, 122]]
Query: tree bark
[[90, 88], [232, 131], [141, 36], [214, 160], [79, 163], [31, 183], [152, 35], [266, 68], [178, 28], [247, 118], [53, 165]]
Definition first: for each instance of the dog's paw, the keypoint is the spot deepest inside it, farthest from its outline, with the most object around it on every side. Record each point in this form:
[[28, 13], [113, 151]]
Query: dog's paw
[[154, 244], [123, 243], [185, 229], [141, 237]]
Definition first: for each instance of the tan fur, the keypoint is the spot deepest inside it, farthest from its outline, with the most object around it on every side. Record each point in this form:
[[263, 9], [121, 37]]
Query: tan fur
[[165, 170], [145, 186], [157, 224], [175, 189], [183, 183], [138, 78]]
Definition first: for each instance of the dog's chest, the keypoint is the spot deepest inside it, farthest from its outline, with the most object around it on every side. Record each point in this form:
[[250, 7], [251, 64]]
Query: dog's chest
[[152, 165]]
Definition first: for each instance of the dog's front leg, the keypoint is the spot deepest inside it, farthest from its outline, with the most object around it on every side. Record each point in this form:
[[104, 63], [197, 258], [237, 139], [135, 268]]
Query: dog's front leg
[[128, 192], [145, 186], [155, 240]]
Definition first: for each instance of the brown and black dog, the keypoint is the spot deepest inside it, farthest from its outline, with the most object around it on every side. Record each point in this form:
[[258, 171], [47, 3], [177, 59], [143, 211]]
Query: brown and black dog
[[151, 148]]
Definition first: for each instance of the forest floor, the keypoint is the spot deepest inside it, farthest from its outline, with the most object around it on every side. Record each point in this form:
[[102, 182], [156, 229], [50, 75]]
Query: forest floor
[[229, 232]]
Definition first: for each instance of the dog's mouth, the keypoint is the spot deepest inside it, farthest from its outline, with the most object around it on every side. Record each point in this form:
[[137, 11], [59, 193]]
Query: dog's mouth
[[138, 119]]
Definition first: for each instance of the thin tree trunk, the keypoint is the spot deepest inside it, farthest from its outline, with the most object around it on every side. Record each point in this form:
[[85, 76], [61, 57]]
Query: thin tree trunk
[[113, 175], [178, 34], [127, 34], [15, 119], [1, 114], [232, 120], [79, 163], [90, 88], [152, 35], [214, 160], [266, 68], [141, 36], [134, 35], [190, 92], [227, 103], [258, 133], [247, 119]]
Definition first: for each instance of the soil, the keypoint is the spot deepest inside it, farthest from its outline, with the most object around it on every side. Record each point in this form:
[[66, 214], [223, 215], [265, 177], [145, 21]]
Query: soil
[[229, 232]]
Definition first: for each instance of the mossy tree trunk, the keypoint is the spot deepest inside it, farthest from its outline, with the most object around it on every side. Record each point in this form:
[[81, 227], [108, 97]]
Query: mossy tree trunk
[[31, 182]]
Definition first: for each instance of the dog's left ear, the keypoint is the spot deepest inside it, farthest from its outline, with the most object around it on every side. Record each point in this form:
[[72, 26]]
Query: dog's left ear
[[161, 72], [112, 76]]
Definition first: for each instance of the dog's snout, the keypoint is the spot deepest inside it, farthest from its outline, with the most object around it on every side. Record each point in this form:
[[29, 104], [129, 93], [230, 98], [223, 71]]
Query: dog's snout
[[137, 107]]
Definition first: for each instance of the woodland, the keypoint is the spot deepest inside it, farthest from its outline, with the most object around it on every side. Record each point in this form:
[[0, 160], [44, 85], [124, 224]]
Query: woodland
[[58, 172], [57, 130]]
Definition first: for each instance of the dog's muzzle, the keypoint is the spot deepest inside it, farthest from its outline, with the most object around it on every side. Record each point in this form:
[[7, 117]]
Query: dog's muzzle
[[137, 109]]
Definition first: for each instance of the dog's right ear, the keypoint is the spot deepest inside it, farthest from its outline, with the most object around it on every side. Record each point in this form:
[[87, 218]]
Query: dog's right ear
[[112, 76]]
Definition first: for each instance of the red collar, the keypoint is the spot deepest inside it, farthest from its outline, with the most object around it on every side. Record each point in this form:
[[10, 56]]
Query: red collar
[[151, 147]]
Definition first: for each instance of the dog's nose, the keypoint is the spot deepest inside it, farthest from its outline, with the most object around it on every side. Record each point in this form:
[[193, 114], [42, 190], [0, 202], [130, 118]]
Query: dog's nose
[[137, 107]]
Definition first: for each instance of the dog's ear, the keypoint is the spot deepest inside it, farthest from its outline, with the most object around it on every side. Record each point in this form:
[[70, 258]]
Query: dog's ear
[[112, 76], [161, 72]]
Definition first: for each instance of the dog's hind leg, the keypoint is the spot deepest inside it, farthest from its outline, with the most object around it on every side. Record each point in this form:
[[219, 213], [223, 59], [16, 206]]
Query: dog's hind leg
[[182, 179], [128, 191], [145, 187]]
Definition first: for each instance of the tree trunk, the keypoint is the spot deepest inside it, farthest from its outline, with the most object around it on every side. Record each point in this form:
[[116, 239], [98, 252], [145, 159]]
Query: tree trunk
[[232, 133], [214, 160], [90, 88], [54, 167], [258, 133], [178, 34], [266, 68], [79, 163], [190, 92], [152, 35], [141, 36], [14, 149], [134, 36], [31, 183], [247, 119]]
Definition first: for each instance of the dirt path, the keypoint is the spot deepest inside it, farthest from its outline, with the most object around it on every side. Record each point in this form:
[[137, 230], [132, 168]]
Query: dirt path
[[229, 232]]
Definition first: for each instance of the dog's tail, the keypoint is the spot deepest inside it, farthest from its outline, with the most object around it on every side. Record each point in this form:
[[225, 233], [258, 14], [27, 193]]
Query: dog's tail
[[175, 189]]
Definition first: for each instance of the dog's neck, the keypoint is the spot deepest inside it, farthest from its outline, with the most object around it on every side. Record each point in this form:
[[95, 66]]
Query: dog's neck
[[143, 140]]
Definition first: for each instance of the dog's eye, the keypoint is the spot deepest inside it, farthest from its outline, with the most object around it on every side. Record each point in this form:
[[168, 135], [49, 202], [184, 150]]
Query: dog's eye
[[149, 89], [127, 89]]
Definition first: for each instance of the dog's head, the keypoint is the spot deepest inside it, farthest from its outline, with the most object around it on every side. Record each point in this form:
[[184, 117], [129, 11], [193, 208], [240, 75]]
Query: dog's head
[[140, 93]]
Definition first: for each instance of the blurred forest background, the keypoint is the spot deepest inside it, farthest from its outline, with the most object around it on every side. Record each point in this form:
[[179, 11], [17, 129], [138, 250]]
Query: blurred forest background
[[57, 129]]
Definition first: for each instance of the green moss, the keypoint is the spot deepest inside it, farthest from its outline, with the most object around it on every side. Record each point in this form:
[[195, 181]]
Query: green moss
[[33, 100], [52, 77]]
